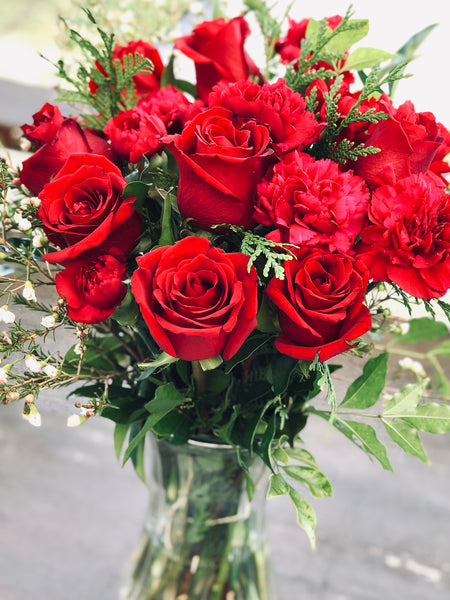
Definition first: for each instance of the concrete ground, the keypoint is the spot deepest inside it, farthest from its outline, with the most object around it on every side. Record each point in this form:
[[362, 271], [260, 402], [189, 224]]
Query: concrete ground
[[70, 516]]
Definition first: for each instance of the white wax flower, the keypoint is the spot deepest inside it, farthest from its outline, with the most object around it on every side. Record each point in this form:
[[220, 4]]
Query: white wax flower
[[39, 238], [50, 370], [6, 315], [3, 376], [28, 291], [48, 322], [414, 366], [33, 364]]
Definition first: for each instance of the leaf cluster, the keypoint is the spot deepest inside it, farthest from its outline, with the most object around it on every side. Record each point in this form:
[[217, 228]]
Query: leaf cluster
[[112, 78]]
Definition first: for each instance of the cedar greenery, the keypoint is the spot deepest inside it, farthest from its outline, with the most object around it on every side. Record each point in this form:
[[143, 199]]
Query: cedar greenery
[[115, 90]]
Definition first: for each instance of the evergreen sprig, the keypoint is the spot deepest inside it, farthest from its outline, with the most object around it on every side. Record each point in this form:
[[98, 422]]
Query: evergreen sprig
[[272, 253], [269, 25], [112, 77], [313, 50]]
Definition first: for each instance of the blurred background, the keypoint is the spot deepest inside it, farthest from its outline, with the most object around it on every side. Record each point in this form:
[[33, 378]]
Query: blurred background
[[29, 29]]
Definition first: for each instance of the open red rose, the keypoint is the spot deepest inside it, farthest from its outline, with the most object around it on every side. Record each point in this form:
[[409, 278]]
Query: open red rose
[[274, 105], [55, 146], [407, 240], [408, 141], [312, 202], [198, 302], [92, 286], [82, 208], [320, 304], [221, 159], [217, 48]]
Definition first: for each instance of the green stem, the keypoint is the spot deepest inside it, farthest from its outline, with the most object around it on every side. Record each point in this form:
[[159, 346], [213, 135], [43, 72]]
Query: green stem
[[199, 377]]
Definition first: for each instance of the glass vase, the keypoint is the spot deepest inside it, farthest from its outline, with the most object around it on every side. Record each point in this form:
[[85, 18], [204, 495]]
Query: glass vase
[[203, 539]]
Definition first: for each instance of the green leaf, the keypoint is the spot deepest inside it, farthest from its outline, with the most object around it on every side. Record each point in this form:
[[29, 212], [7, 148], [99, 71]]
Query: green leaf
[[282, 369], [365, 437], [267, 439], [208, 364], [166, 237], [278, 486], [137, 458], [280, 455], [306, 517], [340, 42], [311, 478], [407, 51], [167, 397], [365, 391], [138, 190], [442, 349], [443, 384], [423, 329], [161, 360], [302, 455], [406, 399], [366, 58], [406, 437], [430, 417], [249, 347], [120, 433], [137, 439], [127, 312]]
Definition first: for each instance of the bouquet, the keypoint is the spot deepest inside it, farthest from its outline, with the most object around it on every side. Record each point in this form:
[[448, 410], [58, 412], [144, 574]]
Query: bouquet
[[211, 248]]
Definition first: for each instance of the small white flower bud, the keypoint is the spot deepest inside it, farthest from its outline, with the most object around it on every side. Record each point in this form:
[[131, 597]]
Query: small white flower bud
[[414, 366], [28, 291], [33, 364]]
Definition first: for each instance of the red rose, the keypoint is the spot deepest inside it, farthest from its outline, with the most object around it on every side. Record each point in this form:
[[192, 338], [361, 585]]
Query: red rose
[[217, 48], [46, 123], [409, 143], [407, 240], [133, 133], [320, 304], [69, 137], [274, 105], [312, 202], [221, 159], [82, 208], [145, 83], [198, 302], [92, 286]]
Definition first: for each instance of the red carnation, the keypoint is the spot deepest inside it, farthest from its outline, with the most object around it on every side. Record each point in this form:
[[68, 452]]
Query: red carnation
[[407, 240], [312, 202], [134, 133], [274, 105], [92, 286]]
